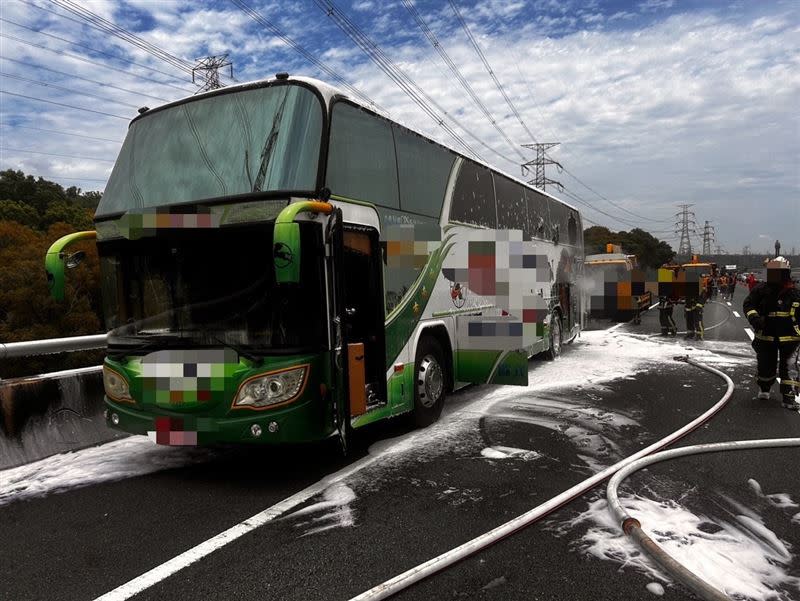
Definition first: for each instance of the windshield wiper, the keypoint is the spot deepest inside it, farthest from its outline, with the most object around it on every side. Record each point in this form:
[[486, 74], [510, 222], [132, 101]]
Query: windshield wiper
[[269, 146]]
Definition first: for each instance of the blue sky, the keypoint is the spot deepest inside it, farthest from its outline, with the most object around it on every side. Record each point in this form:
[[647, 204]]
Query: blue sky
[[655, 102]]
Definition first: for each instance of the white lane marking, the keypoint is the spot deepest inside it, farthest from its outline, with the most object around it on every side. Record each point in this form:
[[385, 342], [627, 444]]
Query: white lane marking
[[736, 314], [728, 303], [749, 332], [185, 559]]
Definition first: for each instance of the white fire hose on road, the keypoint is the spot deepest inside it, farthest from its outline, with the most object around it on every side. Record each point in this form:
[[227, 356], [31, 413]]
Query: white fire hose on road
[[448, 558]]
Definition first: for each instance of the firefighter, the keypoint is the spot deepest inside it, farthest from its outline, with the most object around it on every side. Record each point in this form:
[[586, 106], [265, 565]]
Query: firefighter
[[773, 309], [665, 306], [688, 313], [699, 330]]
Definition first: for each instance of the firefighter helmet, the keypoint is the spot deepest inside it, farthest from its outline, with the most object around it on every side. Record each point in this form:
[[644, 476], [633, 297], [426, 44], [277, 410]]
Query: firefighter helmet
[[777, 263]]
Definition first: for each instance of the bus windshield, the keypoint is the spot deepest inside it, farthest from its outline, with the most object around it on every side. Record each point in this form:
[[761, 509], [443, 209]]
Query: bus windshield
[[253, 140], [211, 288]]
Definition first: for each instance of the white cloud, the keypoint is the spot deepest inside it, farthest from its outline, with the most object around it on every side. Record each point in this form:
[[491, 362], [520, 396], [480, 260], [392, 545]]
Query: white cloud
[[695, 107]]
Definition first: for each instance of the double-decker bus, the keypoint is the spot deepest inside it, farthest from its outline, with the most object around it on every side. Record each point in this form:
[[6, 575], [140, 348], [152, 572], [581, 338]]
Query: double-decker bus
[[280, 264]]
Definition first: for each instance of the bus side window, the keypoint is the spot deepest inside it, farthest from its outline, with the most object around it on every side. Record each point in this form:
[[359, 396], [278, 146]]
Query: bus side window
[[361, 159], [473, 197], [511, 213], [539, 224], [423, 171]]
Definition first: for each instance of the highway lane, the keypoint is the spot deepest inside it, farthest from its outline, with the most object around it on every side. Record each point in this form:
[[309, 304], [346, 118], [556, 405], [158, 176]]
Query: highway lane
[[487, 461]]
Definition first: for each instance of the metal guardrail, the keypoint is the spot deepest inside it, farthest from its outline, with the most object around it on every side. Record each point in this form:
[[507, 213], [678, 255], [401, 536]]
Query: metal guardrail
[[32, 348]]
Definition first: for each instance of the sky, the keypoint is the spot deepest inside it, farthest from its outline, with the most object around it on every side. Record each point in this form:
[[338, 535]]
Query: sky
[[655, 103]]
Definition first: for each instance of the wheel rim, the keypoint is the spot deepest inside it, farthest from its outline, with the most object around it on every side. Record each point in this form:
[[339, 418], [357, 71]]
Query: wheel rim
[[430, 381], [556, 330]]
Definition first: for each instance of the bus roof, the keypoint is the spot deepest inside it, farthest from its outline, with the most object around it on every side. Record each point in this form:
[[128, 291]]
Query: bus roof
[[329, 92]]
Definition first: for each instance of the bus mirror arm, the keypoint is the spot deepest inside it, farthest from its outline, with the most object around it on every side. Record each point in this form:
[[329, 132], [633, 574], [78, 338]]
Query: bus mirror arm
[[286, 247], [57, 261]]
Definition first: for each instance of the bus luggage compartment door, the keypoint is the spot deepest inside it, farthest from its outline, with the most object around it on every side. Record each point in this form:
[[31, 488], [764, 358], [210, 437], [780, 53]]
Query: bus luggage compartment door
[[483, 352]]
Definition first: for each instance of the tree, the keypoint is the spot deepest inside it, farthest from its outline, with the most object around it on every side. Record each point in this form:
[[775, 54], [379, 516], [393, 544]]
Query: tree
[[650, 251], [13, 210], [34, 213]]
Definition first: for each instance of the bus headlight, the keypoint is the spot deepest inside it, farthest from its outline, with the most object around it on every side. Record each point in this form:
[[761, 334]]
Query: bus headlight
[[115, 385], [271, 389]]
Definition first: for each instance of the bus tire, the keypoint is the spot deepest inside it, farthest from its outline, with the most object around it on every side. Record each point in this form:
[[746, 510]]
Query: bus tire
[[430, 382], [556, 337]]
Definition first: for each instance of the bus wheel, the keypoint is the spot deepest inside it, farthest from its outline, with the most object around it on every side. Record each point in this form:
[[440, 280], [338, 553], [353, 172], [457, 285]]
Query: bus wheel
[[430, 382], [556, 337]]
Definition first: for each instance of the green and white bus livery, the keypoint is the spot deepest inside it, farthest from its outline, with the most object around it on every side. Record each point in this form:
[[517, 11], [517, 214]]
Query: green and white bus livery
[[281, 264]]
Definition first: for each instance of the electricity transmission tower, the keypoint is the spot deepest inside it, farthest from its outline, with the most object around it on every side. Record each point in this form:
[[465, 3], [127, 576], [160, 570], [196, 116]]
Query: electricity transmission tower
[[540, 180], [685, 225], [208, 69], [708, 238]]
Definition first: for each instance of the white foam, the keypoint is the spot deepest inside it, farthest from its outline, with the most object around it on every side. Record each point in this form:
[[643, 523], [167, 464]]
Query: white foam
[[597, 357], [655, 588], [117, 460], [334, 511], [742, 558], [502, 452], [781, 500]]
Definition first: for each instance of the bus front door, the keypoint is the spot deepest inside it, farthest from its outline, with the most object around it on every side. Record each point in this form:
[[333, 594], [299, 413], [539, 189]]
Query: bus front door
[[364, 317]]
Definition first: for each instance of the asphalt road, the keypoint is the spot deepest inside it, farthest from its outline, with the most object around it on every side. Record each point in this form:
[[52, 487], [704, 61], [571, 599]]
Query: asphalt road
[[443, 488]]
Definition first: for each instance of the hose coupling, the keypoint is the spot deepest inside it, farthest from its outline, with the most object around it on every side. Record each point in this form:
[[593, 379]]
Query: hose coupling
[[629, 523], [684, 358]]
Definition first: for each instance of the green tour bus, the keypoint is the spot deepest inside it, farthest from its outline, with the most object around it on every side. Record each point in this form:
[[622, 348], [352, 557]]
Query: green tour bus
[[279, 263]]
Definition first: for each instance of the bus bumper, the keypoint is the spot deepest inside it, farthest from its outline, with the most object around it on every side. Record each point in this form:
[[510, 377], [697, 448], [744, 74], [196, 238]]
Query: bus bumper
[[305, 421]]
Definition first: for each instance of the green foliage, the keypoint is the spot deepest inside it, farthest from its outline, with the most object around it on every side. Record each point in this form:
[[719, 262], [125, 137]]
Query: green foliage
[[651, 251], [39, 203], [34, 213], [13, 210]]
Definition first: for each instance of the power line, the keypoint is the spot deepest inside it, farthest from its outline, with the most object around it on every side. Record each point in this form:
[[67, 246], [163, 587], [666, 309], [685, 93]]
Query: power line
[[475, 45], [609, 201], [70, 106], [457, 73], [54, 154], [396, 74], [57, 131], [79, 179], [111, 28], [577, 198], [335, 75], [99, 83], [91, 62], [95, 50], [489, 69], [63, 89]]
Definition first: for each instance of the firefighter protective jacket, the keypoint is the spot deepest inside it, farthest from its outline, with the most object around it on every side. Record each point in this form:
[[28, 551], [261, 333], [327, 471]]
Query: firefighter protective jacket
[[780, 308]]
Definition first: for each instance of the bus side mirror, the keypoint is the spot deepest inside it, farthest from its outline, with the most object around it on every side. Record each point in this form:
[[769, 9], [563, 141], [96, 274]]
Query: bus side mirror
[[286, 239], [286, 253], [56, 261], [74, 259]]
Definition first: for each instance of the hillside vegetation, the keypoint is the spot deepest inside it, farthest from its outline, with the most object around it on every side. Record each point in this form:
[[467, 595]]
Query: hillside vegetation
[[35, 212]]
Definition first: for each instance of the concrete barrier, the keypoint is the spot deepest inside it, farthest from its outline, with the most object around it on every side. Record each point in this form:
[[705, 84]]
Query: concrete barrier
[[51, 413]]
